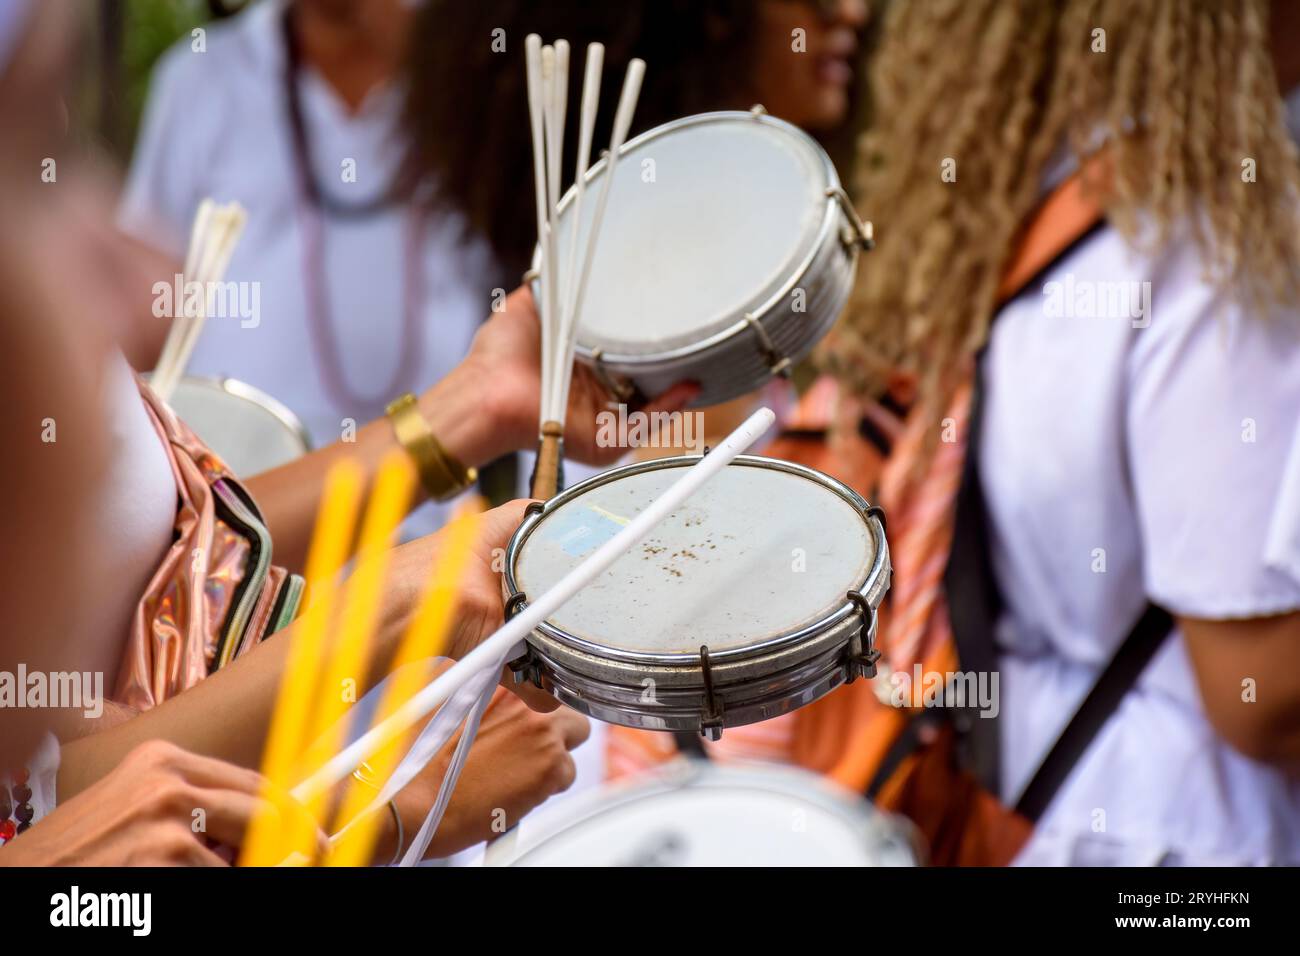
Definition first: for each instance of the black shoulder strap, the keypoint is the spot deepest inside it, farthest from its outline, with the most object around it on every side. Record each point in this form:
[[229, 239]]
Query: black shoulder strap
[[1103, 700]]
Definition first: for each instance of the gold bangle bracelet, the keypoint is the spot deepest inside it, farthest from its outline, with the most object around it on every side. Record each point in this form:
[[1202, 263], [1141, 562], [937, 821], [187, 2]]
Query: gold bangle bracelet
[[440, 473]]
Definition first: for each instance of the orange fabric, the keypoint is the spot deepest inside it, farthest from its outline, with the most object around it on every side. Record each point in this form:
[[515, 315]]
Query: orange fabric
[[963, 824], [847, 733]]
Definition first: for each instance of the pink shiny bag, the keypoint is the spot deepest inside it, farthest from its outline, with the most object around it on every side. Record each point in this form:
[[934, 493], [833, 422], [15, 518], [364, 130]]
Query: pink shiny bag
[[216, 594]]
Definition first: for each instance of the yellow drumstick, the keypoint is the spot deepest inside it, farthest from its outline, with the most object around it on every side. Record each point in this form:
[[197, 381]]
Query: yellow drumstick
[[264, 844], [426, 638], [346, 666]]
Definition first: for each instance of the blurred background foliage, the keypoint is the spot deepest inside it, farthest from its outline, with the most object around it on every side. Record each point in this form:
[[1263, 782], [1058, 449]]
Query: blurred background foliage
[[128, 37]]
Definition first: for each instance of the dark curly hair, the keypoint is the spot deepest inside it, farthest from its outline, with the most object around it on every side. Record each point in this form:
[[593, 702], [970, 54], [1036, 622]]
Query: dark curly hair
[[467, 105]]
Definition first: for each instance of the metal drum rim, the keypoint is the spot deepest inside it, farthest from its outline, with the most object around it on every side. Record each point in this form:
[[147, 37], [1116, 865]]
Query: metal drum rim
[[251, 393], [872, 588], [874, 827]]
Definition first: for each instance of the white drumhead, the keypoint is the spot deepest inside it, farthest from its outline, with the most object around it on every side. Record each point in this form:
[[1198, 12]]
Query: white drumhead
[[755, 553], [709, 816], [248, 430], [706, 221]]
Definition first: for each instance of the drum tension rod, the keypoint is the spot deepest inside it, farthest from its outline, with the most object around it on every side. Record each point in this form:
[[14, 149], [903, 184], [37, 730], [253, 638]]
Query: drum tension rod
[[860, 655], [711, 720], [873, 511], [859, 232], [622, 390], [515, 604], [777, 363]]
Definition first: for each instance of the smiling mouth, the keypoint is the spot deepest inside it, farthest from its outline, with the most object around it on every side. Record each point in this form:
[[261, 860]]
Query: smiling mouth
[[834, 70], [835, 59]]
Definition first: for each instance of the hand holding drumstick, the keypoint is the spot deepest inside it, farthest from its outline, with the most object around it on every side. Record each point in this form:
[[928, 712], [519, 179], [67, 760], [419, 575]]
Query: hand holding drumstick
[[504, 366]]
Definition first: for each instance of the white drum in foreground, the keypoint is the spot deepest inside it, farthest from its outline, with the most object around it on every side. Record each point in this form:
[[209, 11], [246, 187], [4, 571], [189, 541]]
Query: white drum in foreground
[[692, 813], [727, 251], [756, 597], [248, 429]]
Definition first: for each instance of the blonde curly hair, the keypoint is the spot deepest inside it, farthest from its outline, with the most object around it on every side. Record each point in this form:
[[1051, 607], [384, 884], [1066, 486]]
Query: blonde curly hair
[[1182, 92]]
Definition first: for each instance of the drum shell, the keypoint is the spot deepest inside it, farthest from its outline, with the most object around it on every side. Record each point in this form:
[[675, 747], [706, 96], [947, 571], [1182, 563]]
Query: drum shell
[[679, 693], [247, 428], [737, 362], [768, 336], [773, 676]]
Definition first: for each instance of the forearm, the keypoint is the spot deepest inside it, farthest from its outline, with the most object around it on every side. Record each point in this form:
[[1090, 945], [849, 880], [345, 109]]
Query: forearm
[[242, 695], [226, 716], [462, 415], [1247, 674]]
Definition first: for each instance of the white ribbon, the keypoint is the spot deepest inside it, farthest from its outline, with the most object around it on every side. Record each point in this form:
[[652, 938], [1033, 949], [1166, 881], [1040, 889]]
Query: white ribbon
[[487, 687]]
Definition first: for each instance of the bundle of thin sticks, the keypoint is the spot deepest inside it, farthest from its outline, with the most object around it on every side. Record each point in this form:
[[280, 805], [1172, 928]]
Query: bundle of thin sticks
[[213, 236], [560, 304]]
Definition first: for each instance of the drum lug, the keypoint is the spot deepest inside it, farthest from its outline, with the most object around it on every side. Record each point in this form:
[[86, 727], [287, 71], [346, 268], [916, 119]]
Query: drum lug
[[620, 389], [524, 671], [523, 668], [861, 655], [877, 512], [777, 363], [859, 234], [711, 720]]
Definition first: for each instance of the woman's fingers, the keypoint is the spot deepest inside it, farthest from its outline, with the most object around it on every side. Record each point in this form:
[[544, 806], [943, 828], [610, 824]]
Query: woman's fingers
[[234, 793], [536, 698], [497, 525], [196, 854], [674, 400], [573, 727], [208, 772]]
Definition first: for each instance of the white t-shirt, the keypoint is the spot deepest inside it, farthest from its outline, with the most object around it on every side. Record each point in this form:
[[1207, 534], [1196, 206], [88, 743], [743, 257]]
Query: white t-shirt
[[217, 125], [1169, 455]]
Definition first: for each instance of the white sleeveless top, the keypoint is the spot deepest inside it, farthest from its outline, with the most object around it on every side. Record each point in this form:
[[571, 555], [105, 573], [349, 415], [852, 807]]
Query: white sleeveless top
[[134, 513]]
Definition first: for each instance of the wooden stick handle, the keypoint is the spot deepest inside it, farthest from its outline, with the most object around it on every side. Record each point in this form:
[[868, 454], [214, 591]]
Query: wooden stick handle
[[550, 458]]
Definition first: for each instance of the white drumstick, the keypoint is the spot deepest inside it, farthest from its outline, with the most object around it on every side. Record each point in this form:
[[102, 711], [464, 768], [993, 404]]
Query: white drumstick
[[490, 651], [552, 80], [558, 103], [547, 236], [228, 226], [558, 398], [208, 224], [223, 231], [198, 229], [217, 230], [537, 118], [622, 123]]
